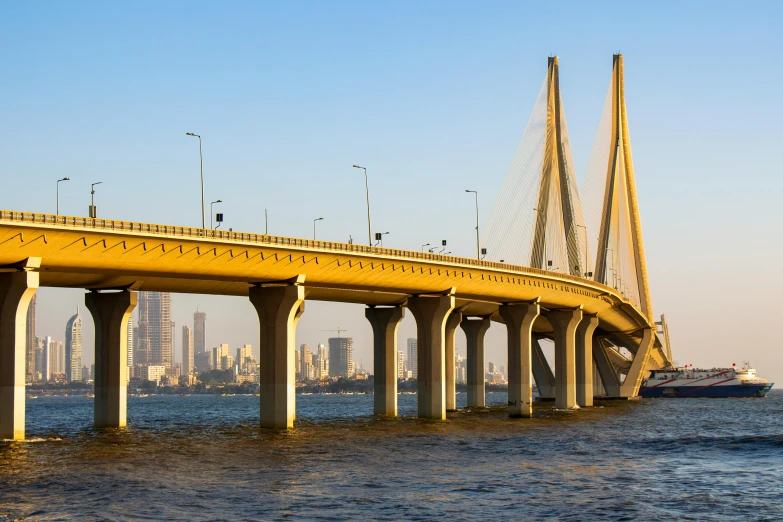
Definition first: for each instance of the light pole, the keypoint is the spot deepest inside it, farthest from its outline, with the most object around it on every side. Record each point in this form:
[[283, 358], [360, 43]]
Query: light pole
[[93, 210], [379, 237], [478, 250], [201, 162], [314, 221], [367, 193], [422, 246], [211, 213], [58, 193]]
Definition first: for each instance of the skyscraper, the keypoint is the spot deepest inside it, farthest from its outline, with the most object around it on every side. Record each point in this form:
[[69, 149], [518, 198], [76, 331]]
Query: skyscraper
[[73, 348], [154, 329], [187, 350], [31, 343], [200, 332], [400, 365], [47, 359], [131, 343], [340, 356], [413, 357]]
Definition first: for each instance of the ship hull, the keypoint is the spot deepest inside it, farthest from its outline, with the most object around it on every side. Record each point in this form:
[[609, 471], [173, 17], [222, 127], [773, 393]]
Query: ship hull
[[733, 390]]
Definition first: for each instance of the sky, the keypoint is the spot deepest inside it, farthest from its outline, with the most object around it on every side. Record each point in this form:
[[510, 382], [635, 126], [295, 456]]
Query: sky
[[432, 97]]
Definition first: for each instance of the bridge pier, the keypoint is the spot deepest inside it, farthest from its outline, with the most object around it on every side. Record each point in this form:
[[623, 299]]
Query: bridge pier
[[475, 329], [111, 312], [431, 313], [384, 323], [584, 360], [564, 323], [519, 320], [279, 309], [16, 292], [451, 385]]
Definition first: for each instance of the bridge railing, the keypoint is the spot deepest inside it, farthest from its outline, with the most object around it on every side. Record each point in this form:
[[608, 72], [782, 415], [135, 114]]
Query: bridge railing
[[244, 237]]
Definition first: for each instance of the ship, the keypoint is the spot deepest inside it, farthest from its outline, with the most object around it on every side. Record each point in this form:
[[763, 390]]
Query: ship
[[697, 382]]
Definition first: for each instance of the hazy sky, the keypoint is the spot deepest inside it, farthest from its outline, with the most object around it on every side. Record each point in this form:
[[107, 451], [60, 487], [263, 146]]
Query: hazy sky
[[432, 97]]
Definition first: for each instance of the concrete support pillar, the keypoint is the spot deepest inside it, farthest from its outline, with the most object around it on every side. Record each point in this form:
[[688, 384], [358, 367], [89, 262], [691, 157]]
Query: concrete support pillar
[[474, 332], [279, 309], [638, 371], [384, 323], [111, 312], [16, 292], [609, 377], [584, 360], [451, 385], [519, 320], [431, 313], [564, 323]]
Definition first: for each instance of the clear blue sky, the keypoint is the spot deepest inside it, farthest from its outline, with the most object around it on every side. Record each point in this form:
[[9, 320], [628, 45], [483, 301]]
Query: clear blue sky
[[432, 97]]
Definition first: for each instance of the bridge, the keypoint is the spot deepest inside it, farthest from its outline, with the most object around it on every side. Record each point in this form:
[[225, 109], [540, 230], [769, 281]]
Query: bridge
[[547, 286]]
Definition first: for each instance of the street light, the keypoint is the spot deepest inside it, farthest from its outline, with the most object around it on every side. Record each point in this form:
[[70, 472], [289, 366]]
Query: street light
[[201, 162], [478, 251], [58, 193], [93, 210], [367, 193], [210, 211], [422, 246], [317, 219], [379, 238]]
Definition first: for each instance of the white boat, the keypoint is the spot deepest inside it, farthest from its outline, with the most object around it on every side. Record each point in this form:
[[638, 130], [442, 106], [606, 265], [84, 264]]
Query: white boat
[[698, 382]]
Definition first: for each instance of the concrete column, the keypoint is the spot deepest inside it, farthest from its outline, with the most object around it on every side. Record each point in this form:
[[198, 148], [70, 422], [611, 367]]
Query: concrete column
[[384, 323], [16, 292], [519, 320], [279, 309], [564, 323], [474, 332], [584, 360], [431, 313], [110, 313], [451, 386]]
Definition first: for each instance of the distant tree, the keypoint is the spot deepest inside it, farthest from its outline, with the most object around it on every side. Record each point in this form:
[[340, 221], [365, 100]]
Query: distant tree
[[217, 377]]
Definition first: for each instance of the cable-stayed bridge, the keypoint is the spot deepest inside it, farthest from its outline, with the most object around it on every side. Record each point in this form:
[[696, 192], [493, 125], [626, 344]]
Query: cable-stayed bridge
[[542, 282]]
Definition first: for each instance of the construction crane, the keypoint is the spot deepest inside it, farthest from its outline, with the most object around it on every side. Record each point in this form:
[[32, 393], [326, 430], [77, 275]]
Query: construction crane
[[338, 330]]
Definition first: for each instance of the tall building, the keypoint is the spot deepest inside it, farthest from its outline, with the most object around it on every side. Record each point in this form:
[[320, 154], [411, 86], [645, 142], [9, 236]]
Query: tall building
[[244, 356], [73, 348], [200, 332], [400, 365], [57, 354], [173, 343], [31, 343], [130, 342], [154, 329], [340, 356], [187, 350], [47, 359], [306, 366], [413, 357], [220, 355]]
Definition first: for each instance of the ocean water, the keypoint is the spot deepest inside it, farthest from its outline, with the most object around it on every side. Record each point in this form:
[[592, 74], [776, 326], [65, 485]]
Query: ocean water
[[202, 457]]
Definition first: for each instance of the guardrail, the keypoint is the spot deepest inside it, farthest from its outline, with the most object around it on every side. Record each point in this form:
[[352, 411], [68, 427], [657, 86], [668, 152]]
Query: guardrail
[[264, 239]]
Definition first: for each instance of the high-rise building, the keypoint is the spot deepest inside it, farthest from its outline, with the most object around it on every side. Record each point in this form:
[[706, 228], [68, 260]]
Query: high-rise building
[[173, 343], [244, 356], [47, 359], [413, 357], [31, 343], [306, 366], [187, 350], [200, 332], [219, 354], [340, 356], [85, 374], [130, 341], [154, 329], [400, 365], [73, 348], [323, 355]]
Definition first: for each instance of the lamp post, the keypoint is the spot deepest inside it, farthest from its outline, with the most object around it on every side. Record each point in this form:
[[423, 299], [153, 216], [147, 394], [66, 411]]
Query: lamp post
[[379, 238], [425, 245], [367, 193], [478, 250], [58, 194], [93, 210], [201, 162], [314, 221], [211, 213]]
